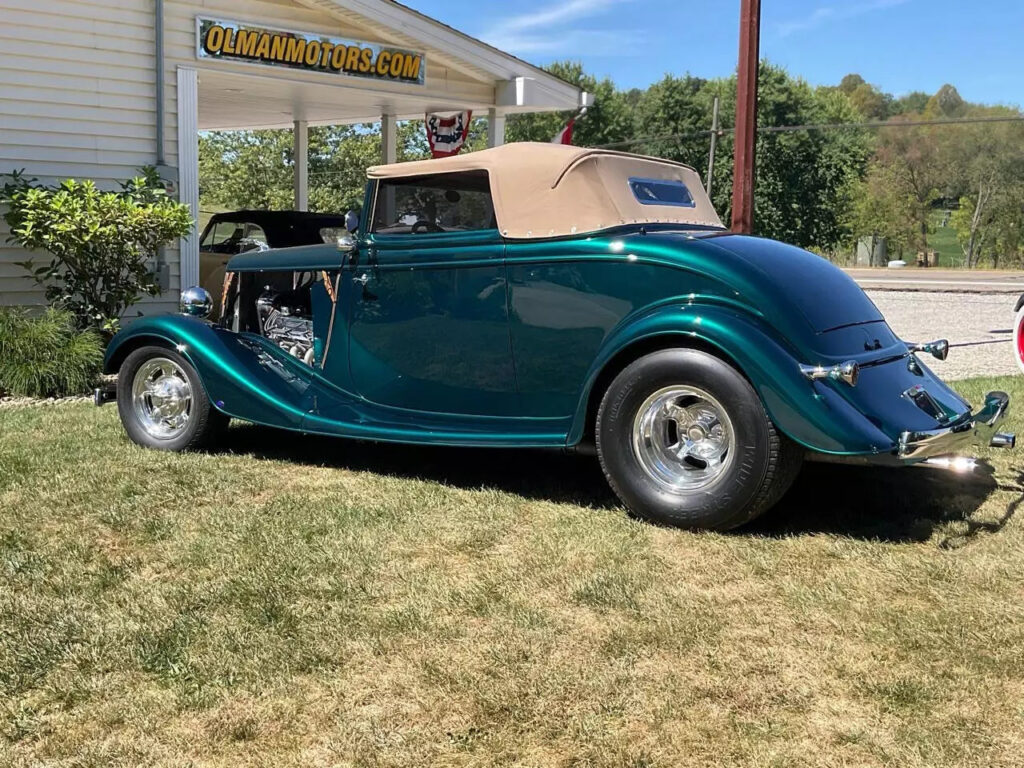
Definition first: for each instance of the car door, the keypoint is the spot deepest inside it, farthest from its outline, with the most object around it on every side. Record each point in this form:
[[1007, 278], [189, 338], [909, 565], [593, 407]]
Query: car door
[[429, 325]]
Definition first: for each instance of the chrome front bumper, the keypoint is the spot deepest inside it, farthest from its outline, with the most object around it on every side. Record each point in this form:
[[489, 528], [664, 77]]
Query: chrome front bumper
[[973, 429]]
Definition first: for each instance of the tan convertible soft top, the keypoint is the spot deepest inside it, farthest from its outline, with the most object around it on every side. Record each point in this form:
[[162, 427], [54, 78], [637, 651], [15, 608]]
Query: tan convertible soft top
[[548, 190]]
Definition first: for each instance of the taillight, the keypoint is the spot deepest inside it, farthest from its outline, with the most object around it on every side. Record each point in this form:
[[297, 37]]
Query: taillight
[[1018, 338]]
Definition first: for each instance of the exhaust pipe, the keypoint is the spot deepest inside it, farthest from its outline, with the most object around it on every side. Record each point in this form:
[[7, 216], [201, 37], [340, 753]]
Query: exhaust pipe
[[102, 395], [1004, 440]]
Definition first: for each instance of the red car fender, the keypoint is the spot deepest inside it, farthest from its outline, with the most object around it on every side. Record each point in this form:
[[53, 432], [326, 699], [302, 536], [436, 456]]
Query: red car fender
[[1018, 334]]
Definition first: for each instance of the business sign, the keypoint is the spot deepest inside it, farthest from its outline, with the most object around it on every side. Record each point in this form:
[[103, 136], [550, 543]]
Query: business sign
[[238, 41]]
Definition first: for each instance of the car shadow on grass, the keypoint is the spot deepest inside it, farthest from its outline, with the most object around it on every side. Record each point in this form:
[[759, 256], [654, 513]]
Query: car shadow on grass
[[897, 505], [907, 504], [549, 475]]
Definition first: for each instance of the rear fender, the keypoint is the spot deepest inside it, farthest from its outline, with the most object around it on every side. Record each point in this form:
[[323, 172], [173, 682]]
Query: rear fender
[[811, 413], [245, 376]]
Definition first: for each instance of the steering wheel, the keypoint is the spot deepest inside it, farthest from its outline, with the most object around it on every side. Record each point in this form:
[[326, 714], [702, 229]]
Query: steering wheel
[[423, 225]]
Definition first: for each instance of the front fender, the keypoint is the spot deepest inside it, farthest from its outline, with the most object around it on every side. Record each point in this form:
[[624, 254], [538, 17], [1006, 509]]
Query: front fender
[[244, 375], [811, 413]]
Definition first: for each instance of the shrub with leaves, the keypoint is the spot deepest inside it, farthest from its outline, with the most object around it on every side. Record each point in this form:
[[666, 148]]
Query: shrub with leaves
[[47, 356], [100, 243]]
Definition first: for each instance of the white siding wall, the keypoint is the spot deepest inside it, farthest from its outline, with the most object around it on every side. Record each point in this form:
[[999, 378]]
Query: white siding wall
[[77, 100]]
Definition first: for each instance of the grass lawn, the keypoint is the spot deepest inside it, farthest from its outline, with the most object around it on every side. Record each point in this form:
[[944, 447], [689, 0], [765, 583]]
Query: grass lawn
[[301, 602], [943, 240]]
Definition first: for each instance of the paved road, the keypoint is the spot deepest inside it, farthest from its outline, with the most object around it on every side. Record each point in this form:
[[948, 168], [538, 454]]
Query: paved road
[[952, 280], [959, 317]]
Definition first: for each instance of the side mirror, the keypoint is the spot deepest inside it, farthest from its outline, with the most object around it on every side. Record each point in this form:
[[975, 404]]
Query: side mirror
[[351, 221]]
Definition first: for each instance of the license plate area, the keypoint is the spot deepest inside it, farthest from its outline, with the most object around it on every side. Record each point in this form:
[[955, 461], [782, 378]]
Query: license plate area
[[901, 394]]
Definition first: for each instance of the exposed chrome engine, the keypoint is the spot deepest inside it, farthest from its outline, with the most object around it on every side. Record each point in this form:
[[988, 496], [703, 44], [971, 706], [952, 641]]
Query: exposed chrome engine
[[285, 318]]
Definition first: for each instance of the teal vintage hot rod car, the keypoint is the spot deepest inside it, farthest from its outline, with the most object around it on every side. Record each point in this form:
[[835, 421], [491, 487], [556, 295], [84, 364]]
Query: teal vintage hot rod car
[[543, 296]]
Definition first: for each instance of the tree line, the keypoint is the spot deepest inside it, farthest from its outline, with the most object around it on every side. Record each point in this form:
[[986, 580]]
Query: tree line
[[818, 188]]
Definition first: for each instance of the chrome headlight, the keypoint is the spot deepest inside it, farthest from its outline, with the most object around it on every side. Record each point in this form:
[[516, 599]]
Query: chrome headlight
[[195, 302]]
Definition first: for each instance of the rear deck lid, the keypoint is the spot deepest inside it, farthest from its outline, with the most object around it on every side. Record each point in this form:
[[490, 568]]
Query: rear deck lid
[[827, 297]]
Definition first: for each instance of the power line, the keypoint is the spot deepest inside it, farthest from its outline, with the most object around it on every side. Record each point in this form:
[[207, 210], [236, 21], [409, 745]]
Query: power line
[[876, 124]]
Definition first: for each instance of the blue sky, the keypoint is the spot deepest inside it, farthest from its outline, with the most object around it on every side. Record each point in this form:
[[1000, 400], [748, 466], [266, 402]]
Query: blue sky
[[900, 45]]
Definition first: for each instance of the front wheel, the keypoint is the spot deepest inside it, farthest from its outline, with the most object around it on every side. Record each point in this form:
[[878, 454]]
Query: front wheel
[[684, 440], [162, 402]]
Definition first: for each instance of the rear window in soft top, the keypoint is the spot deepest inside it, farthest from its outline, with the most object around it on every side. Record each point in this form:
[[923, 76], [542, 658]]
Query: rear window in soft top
[[661, 192]]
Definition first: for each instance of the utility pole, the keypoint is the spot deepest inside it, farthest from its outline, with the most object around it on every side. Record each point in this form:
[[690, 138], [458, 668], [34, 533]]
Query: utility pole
[[746, 118], [714, 145]]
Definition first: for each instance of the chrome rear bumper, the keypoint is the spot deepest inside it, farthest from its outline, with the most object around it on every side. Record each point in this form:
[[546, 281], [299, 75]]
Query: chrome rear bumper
[[978, 428]]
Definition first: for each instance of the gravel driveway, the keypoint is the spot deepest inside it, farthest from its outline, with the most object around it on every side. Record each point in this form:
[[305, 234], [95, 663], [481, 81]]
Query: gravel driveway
[[959, 317]]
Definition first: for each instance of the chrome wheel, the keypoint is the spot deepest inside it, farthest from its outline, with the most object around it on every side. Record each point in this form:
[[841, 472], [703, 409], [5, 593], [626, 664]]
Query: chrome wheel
[[683, 439], [162, 398]]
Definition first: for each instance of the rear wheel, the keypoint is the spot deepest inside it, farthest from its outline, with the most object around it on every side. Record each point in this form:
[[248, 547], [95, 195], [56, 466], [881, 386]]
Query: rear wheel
[[684, 440], [162, 402]]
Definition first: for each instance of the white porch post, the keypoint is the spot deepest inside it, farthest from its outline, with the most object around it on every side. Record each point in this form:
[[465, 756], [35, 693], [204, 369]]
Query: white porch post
[[495, 128], [188, 170], [301, 136], [389, 139], [389, 154]]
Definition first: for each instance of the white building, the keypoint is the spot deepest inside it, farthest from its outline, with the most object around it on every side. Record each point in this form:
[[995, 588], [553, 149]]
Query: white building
[[80, 93]]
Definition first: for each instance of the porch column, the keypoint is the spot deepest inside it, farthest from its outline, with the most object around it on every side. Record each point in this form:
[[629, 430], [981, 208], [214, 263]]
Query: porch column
[[301, 136], [389, 139], [188, 170], [495, 128], [389, 154]]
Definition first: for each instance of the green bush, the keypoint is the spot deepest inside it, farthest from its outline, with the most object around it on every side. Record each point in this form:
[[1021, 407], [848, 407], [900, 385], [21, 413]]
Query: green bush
[[47, 356], [100, 243]]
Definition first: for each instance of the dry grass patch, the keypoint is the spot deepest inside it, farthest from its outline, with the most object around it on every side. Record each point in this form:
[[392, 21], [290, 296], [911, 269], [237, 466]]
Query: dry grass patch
[[296, 601]]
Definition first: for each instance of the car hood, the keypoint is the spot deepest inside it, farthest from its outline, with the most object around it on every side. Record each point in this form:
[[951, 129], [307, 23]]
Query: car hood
[[827, 297], [297, 258]]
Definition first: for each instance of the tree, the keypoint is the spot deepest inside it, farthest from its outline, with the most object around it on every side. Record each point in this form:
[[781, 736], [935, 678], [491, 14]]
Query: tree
[[851, 83], [987, 162], [918, 169], [947, 102], [608, 121], [1008, 250], [256, 169], [880, 206], [869, 101], [679, 108], [802, 175], [913, 103]]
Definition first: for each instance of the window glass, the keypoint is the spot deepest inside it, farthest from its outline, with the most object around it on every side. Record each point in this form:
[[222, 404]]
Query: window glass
[[255, 232], [445, 202], [218, 233], [233, 237], [331, 234], [661, 192]]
